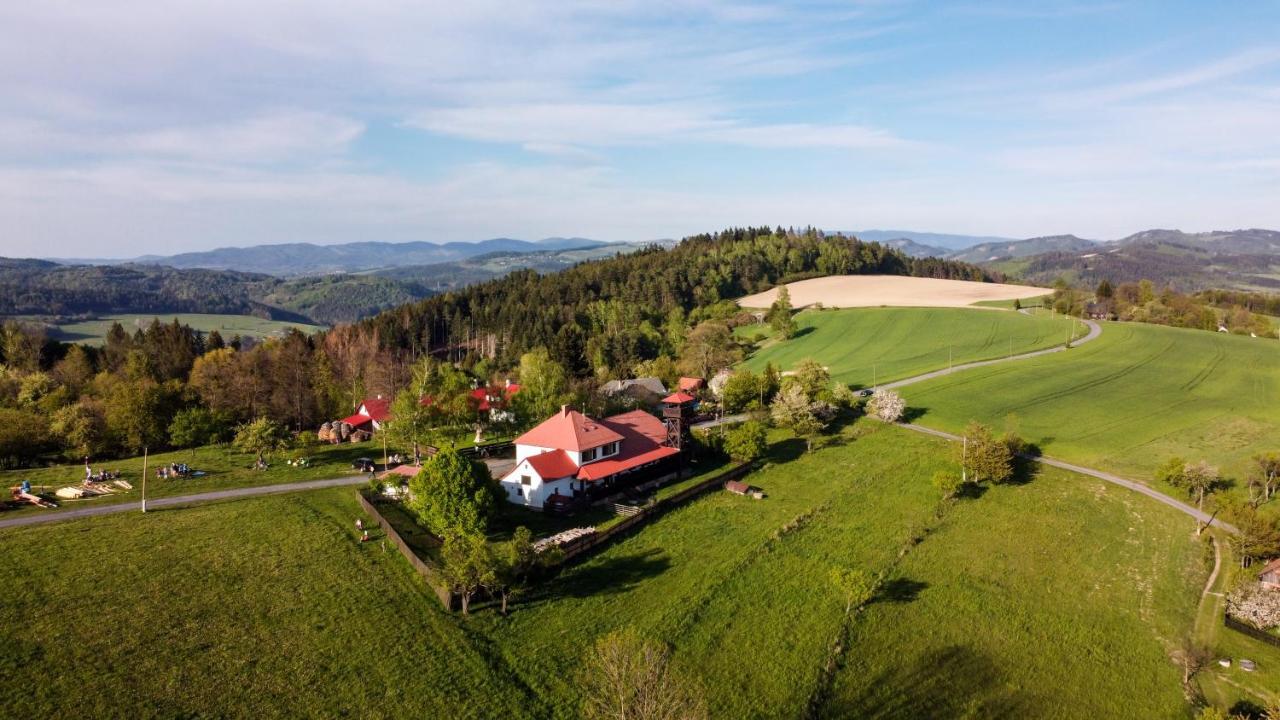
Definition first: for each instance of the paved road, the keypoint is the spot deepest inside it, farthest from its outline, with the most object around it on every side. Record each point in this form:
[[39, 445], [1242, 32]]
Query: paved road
[[62, 514]]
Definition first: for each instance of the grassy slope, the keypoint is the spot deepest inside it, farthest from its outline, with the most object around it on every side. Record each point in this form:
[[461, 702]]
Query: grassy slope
[[268, 606], [1128, 400], [257, 608], [93, 332], [225, 468], [901, 342]]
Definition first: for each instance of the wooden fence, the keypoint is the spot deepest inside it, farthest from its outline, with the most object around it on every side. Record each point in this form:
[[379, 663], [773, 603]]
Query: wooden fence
[[451, 601], [651, 512], [425, 569], [1251, 631]]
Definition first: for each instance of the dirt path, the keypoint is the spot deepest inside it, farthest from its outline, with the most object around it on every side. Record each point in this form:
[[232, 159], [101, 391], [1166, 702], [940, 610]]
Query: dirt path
[[55, 515]]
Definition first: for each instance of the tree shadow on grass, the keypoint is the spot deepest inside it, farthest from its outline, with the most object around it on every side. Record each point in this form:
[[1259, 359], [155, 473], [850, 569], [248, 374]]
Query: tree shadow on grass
[[1026, 466], [901, 590], [912, 414], [786, 450], [954, 681], [603, 576]]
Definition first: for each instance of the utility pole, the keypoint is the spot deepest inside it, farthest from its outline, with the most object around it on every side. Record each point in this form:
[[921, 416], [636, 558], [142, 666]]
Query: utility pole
[[874, 385], [949, 364], [144, 479], [964, 459]]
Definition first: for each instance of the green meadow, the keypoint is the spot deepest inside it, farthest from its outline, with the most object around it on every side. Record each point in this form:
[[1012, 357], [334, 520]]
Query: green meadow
[[94, 332], [1056, 598], [1126, 401], [866, 345]]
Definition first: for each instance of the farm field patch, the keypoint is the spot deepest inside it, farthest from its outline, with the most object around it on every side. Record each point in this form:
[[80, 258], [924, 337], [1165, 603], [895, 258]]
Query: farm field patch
[[846, 291], [1127, 401], [287, 614], [866, 345], [94, 332]]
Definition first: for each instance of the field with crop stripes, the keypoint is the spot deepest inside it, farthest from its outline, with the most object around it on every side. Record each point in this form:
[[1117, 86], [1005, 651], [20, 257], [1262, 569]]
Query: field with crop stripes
[[271, 607], [1127, 400], [884, 344]]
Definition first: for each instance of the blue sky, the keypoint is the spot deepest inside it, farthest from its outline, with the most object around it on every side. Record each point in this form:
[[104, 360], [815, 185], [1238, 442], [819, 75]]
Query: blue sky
[[129, 128]]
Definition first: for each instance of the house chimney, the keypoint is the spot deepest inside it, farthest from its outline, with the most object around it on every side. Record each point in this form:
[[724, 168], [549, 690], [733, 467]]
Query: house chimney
[[564, 410]]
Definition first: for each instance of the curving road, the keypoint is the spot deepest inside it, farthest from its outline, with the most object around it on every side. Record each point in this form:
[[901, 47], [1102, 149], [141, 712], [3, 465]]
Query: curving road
[[83, 512], [1094, 331]]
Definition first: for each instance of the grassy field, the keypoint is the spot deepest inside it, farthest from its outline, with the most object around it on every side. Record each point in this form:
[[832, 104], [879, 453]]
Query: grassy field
[[93, 332], [1126, 401], [1226, 686], [893, 343], [224, 468], [269, 607]]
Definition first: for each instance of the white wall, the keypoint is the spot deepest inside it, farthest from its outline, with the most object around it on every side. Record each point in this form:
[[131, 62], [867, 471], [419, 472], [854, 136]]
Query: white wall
[[535, 494]]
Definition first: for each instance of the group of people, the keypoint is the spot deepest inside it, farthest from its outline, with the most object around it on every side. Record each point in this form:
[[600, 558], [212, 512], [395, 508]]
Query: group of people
[[101, 476], [173, 470]]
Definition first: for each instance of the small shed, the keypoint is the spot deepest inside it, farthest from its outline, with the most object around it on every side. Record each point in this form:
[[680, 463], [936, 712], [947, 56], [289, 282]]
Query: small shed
[[737, 487]]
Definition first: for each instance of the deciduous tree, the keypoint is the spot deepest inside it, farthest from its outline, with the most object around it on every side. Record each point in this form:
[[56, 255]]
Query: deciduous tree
[[887, 405], [452, 494], [985, 457], [746, 442], [627, 677]]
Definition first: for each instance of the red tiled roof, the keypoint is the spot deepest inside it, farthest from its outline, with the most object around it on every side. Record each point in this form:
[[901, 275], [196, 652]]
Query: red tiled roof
[[403, 470], [605, 468], [553, 465], [356, 420], [638, 423], [690, 383], [377, 408], [569, 430], [1273, 566], [482, 394], [679, 398]]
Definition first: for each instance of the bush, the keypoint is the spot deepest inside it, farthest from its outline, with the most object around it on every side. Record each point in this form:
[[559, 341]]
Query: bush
[[746, 442], [197, 426]]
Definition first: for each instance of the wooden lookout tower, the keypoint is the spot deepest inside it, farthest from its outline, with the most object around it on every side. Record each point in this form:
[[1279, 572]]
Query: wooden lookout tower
[[677, 413]]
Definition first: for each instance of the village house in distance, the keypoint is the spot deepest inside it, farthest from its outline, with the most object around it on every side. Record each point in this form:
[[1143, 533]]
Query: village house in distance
[[570, 457]]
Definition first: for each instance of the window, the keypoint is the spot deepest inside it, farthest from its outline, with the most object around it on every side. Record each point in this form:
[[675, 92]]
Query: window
[[589, 455], [526, 480]]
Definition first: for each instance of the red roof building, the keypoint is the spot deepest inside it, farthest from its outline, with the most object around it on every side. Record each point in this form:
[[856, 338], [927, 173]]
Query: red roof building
[[690, 384], [569, 452]]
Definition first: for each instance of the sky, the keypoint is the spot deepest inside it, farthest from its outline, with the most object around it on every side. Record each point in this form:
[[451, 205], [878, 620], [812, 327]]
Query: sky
[[129, 128]]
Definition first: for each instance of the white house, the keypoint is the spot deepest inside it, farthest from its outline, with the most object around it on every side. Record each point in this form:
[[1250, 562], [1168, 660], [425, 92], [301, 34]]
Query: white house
[[569, 453]]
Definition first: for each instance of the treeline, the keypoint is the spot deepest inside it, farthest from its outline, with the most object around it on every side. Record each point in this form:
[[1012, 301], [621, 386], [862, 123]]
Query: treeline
[[658, 312], [607, 315], [1237, 312]]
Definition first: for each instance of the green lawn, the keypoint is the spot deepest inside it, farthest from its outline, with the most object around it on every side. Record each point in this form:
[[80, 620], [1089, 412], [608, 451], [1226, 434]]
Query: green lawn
[[1226, 686], [1056, 598], [224, 467], [1126, 401], [93, 332], [882, 344]]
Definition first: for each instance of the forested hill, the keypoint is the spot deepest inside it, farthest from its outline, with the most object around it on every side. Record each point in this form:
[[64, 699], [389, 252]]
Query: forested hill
[[46, 289], [608, 312]]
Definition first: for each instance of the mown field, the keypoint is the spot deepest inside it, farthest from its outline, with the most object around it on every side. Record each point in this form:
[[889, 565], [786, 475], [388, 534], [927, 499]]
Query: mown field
[[1126, 401], [883, 344], [93, 332], [1057, 598]]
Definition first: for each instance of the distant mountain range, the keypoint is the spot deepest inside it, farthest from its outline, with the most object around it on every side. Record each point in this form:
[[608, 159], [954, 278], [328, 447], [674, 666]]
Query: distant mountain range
[[295, 259], [1241, 259], [928, 239]]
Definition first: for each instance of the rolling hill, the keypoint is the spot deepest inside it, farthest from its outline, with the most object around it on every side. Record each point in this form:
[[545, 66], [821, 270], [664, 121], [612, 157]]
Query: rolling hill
[[987, 252], [293, 259]]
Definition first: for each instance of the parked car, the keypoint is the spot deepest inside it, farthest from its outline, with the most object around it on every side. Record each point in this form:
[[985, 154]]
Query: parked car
[[363, 465]]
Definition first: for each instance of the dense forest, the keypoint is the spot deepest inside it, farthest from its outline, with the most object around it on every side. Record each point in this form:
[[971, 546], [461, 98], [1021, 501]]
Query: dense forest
[[660, 311], [608, 314]]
